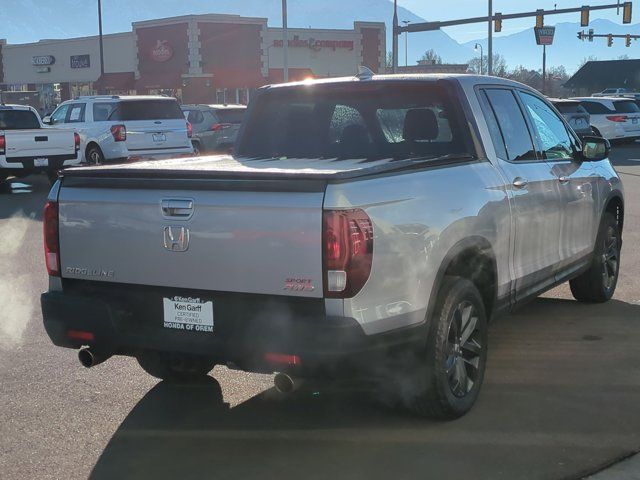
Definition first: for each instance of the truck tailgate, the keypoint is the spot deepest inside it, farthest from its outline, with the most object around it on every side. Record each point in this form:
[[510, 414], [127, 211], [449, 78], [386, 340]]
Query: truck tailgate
[[46, 142], [247, 239]]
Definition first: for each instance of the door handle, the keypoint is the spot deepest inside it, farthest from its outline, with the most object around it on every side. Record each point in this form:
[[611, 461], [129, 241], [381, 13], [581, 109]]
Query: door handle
[[520, 182], [563, 180], [177, 208]]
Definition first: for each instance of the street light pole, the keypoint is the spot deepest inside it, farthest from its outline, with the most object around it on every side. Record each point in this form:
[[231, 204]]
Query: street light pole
[[100, 40], [479, 46], [285, 43], [394, 47], [406, 44], [490, 40]]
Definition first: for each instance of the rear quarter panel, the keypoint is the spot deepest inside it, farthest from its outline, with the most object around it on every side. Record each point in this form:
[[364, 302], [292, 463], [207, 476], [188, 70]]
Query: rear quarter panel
[[418, 218]]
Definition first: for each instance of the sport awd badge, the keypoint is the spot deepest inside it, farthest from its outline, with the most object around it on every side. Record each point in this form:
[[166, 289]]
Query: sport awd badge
[[176, 239]]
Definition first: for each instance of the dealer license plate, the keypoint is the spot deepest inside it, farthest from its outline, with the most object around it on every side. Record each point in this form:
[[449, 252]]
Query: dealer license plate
[[186, 313], [159, 137], [40, 162]]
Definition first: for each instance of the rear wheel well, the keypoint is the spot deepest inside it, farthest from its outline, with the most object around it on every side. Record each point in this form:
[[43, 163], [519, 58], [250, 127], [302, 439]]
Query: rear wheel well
[[616, 208], [477, 264]]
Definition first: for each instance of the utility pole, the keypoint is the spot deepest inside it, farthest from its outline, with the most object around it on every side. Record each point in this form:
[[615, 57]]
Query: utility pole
[[394, 48], [406, 44], [285, 43], [490, 40], [544, 69], [100, 40]]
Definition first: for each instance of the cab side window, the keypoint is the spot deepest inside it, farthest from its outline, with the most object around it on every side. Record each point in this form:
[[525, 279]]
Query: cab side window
[[512, 125], [60, 115], [552, 136]]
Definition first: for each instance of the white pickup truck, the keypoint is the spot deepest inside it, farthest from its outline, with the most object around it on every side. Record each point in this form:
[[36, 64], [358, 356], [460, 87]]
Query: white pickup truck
[[27, 146], [372, 224]]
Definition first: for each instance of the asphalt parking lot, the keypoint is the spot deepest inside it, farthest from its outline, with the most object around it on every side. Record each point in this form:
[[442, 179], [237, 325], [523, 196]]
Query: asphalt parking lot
[[560, 399]]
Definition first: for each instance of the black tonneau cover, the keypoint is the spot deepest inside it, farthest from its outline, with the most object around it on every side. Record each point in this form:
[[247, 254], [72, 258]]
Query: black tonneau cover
[[228, 167]]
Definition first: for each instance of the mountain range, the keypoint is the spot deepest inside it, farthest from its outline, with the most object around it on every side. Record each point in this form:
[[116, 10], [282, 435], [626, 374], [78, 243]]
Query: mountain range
[[76, 18]]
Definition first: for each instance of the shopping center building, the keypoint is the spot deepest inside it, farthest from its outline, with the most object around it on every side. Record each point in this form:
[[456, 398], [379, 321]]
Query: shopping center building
[[197, 58]]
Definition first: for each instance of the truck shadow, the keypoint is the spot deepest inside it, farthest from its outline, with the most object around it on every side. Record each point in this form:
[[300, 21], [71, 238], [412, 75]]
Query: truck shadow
[[559, 401], [23, 196]]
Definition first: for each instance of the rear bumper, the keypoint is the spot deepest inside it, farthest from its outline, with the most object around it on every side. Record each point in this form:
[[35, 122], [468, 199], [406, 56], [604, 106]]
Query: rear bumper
[[246, 327], [26, 165]]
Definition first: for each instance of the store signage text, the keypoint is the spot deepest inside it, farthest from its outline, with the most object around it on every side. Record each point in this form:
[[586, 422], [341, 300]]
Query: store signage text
[[162, 51], [43, 60], [80, 61], [43, 69], [544, 35], [315, 45]]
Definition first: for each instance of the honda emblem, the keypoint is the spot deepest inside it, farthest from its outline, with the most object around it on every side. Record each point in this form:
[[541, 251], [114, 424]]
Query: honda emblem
[[176, 239]]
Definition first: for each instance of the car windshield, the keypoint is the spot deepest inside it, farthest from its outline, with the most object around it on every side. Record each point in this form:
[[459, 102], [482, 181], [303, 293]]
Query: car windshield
[[18, 120], [147, 110], [348, 121]]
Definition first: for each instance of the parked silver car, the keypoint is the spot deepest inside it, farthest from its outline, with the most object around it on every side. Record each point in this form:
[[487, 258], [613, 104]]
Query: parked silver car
[[215, 127], [369, 225]]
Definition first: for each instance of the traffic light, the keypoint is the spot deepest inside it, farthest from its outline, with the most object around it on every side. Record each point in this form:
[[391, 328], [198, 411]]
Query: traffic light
[[540, 19], [591, 35], [609, 40], [581, 35], [497, 25], [626, 12], [628, 42], [584, 16]]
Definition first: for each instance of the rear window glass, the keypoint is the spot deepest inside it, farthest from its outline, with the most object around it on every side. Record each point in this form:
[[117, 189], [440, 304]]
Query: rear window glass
[[595, 108], [102, 111], [627, 106], [18, 120], [231, 115], [569, 107], [373, 121], [147, 110]]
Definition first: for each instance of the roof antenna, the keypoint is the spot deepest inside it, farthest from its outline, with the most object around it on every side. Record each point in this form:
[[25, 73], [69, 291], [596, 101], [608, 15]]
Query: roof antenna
[[364, 73]]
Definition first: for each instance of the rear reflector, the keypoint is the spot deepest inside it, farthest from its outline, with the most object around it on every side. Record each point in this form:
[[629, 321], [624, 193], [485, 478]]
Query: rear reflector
[[3, 144], [51, 240], [617, 118], [347, 251], [80, 335], [282, 359]]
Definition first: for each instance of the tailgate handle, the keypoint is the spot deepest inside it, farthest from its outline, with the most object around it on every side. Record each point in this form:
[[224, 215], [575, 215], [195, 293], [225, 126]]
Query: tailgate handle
[[42, 139], [176, 208]]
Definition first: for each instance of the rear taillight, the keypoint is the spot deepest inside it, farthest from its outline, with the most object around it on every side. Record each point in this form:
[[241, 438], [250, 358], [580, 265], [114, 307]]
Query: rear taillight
[[76, 139], [216, 127], [51, 239], [347, 251], [3, 144], [119, 133], [189, 130], [617, 118]]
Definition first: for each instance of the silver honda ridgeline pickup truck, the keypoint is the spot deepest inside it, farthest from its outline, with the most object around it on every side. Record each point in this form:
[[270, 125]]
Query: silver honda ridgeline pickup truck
[[372, 224]]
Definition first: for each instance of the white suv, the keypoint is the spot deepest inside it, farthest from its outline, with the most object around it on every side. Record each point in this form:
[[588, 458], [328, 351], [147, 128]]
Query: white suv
[[117, 128], [613, 118]]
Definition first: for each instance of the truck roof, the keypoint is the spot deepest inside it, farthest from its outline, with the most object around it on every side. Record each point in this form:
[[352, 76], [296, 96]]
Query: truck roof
[[4, 106]]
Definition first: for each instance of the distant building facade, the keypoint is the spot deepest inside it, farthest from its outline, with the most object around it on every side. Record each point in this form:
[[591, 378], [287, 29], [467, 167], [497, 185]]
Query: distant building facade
[[197, 58]]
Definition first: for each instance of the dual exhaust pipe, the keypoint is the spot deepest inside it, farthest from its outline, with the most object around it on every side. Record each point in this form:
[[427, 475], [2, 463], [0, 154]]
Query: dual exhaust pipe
[[90, 358], [286, 384]]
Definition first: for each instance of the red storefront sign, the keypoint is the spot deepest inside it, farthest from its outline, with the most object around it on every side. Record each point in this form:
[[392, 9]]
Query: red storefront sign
[[162, 51], [544, 35], [316, 45]]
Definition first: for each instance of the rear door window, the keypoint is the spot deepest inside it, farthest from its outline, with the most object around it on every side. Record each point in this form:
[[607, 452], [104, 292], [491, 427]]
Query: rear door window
[[595, 108], [75, 113], [102, 111], [133, 110], [18, 120], [626, 106], [513, 126], [550, 130], [195, 117]]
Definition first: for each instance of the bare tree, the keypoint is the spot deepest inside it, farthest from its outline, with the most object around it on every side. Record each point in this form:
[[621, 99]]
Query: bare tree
[[585, 60], [431, 57], [499, 65]]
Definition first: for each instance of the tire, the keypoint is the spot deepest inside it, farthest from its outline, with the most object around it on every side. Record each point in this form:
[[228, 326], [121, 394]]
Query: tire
[[197, 150], [93, 155], [598, 284], [175, 367], [448, 382]]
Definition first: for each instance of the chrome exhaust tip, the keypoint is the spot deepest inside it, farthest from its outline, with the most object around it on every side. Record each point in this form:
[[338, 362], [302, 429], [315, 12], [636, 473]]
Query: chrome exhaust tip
[[283, 383], [88, 358]]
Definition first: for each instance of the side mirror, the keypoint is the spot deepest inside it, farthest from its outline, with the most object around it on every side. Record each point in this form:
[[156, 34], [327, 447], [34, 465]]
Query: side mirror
[[47, 120], [595, 149]]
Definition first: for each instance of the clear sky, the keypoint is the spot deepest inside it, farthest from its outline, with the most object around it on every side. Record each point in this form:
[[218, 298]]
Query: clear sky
[[434, 10]]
